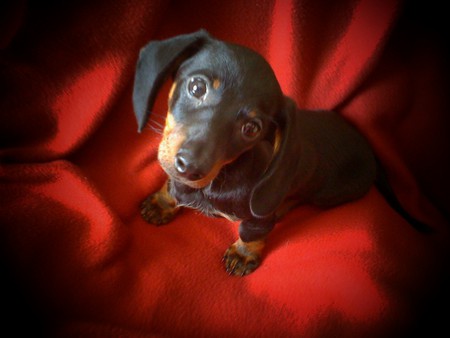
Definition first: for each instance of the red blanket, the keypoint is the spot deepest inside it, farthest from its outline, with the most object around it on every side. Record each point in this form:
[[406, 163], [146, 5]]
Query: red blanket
[[77, 258]]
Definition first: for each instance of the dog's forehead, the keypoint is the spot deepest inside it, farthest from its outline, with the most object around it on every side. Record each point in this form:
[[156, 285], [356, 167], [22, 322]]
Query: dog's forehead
[[215, 59], [235, 64]]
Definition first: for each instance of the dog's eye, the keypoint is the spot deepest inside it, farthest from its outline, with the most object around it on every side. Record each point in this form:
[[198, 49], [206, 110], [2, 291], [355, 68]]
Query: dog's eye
[[197, 87], [251, 129]]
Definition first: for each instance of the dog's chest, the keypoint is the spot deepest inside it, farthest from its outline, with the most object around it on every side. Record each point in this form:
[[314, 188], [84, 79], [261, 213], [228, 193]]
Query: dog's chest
[[228, 201], [228, 195]]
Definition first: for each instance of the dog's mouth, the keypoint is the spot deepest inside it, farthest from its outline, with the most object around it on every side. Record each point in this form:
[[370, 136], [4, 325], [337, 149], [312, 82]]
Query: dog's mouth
[[195, 184], [168, 149]]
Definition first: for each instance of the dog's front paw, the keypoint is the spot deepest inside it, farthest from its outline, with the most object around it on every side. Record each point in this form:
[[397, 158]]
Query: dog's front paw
[[156, 209], [242, 258]]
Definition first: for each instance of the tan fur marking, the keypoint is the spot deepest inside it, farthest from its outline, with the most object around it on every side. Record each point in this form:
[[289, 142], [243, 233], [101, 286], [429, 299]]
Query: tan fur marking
[[166, 197], [255, 247], [172, 89], [159, 208], [216, 84], [242, 258], [252, 114], [277, 143], [170, 123]]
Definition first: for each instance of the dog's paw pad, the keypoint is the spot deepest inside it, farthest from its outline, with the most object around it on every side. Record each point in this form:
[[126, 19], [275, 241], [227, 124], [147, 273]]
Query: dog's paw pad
[[240, 262], [156, 211]]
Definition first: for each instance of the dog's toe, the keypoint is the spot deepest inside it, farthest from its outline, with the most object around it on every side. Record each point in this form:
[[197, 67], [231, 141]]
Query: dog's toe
[[154, 210], [240, 261]]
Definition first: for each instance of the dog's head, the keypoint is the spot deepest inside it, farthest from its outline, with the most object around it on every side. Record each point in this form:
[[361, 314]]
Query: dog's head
[[225, 99]]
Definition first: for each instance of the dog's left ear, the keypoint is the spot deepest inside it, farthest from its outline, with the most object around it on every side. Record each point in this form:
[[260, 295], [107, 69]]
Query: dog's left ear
[[275, 184], [157, 60]]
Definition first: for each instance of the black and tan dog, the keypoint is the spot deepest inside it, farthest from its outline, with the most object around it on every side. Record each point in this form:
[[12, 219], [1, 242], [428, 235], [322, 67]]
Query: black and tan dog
[[233, 145]]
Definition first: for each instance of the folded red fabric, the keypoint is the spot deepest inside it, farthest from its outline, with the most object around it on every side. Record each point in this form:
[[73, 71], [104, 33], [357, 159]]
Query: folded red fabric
[[79, 259]]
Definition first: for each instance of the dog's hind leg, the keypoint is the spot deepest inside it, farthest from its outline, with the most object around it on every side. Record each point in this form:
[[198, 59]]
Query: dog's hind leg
[[159, 208]]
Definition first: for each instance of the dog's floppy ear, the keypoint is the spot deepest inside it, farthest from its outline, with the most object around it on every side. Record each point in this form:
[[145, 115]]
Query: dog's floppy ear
[[157, 60], [276, 182]]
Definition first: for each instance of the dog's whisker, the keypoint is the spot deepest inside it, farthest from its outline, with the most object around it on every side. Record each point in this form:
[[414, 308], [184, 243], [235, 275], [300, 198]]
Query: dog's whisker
[[156, 128], [156, 123], [160, 117]]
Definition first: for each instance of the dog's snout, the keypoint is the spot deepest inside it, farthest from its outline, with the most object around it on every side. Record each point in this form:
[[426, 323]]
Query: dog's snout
[[187, 168]]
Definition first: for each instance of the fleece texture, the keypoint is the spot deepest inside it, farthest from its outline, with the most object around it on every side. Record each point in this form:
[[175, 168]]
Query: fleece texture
[[78, 260]]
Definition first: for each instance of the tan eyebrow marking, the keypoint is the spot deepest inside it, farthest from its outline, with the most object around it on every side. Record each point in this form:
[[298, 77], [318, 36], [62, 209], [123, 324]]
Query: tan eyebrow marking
[[216, 84]]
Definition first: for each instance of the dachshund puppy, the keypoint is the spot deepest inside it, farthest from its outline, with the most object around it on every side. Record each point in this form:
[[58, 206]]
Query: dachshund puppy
[[234, 146]]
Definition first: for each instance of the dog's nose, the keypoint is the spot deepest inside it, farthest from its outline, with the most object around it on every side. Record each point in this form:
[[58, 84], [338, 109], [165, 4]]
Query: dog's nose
[[187, 168]]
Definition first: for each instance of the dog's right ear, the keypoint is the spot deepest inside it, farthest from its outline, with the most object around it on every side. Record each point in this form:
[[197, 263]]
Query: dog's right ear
[[271, 190], [157, 60]]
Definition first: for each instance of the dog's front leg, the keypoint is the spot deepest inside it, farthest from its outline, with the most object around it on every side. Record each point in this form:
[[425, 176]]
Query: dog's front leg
[[159, 208], [245, 255]]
